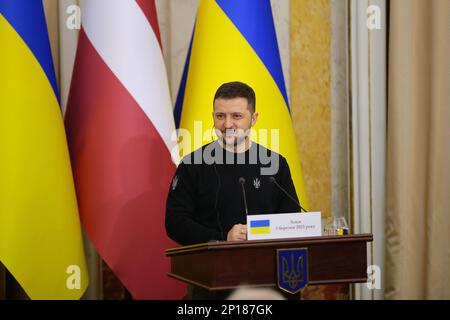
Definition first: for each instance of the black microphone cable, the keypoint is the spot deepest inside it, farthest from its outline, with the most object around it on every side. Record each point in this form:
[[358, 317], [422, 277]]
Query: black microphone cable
[[219, 223], [274, 181], [219, 185], [242, 182]]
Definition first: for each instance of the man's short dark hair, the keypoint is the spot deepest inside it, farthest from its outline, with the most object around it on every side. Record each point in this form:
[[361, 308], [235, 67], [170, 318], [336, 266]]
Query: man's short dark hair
[[236, 89]]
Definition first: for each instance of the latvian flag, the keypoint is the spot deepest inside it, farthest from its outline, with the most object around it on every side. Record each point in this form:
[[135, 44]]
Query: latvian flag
[[119, 123]]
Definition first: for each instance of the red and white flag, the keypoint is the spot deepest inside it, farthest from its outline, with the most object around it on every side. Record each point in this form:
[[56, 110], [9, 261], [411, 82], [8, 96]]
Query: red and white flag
[[119, 123]]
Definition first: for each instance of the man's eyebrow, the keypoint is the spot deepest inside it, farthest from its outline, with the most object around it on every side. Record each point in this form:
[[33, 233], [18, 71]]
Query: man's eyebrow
[[232, 113]]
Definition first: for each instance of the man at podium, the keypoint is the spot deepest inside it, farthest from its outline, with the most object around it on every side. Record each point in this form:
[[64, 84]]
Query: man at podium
[[217, 185]]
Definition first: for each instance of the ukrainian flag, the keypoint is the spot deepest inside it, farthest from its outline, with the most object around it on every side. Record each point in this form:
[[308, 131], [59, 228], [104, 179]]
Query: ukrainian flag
[[260, 226], [40, 234], [236, 41]]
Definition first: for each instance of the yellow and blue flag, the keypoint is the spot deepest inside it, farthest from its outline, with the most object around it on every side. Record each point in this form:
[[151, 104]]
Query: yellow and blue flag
[[236, 41], [40, 234], [260, 226]]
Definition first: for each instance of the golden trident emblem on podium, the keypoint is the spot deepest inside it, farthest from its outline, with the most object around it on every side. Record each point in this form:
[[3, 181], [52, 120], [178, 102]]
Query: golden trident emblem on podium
[[292, 265]]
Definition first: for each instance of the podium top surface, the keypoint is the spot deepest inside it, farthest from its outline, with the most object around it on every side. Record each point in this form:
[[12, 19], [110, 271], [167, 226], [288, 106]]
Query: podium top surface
[[220, 245]]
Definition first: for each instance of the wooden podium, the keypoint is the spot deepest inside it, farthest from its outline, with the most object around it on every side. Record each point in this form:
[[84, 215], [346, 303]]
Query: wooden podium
[[224, 265]]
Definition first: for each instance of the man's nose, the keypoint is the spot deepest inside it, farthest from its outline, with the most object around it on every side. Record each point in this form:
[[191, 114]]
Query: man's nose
[[228, 122]]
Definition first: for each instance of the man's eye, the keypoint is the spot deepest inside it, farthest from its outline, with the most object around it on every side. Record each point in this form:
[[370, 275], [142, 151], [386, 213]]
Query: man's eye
[[237, 116], [219, 116]]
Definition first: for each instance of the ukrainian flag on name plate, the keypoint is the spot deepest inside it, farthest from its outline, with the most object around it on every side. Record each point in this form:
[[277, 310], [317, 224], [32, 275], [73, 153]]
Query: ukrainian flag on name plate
[[236, 41], [40, 235], [260, 226]]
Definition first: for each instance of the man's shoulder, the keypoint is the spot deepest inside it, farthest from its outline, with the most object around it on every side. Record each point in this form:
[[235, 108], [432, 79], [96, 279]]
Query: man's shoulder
[[197, 155], [266, 151]]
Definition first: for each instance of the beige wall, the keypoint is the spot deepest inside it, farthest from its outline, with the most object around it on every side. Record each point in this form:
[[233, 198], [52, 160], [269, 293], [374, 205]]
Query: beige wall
[[310, 96]]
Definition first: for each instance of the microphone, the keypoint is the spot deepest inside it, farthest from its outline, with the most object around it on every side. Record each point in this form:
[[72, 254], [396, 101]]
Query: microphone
[[274, 181], [242, 181]]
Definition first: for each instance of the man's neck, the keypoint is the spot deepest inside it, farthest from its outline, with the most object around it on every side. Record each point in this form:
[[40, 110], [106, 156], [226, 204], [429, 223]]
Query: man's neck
[[242, 147]]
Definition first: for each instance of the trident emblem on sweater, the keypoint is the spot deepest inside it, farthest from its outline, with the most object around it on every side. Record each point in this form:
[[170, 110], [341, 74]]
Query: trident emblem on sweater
[[174, 182], [256, 183]]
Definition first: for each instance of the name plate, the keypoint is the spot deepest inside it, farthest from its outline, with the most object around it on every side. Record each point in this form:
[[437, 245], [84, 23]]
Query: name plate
[[284, 225]]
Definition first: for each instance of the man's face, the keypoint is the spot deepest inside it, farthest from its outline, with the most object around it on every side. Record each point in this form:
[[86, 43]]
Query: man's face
[[233, 120]]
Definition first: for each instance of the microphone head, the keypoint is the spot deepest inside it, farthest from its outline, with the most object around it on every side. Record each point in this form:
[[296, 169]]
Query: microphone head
[[272, 179], [241, 180]]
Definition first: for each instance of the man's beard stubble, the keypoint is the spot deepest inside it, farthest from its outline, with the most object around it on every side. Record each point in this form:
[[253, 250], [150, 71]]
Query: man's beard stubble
[[237, 140]]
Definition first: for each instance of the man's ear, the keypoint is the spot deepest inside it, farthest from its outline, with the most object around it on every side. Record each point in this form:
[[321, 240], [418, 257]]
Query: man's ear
[[254, 118]]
